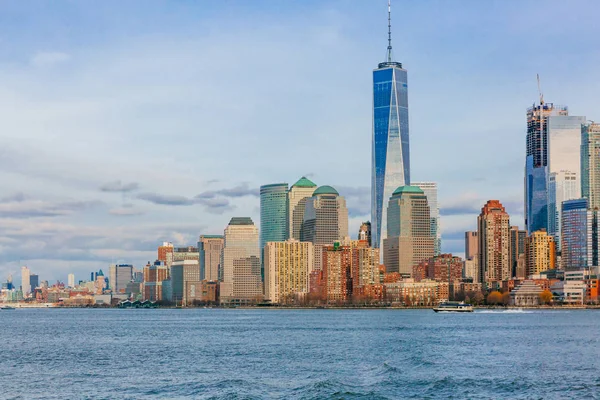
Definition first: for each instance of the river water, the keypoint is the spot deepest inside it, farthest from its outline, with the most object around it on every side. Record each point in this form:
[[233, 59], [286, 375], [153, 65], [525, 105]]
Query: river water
[[298, 354]]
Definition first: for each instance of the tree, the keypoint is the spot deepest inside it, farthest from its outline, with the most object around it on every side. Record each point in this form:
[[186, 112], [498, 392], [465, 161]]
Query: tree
[[546, 297], [506, 298], [494, 297], [478, 297], [467, 299]]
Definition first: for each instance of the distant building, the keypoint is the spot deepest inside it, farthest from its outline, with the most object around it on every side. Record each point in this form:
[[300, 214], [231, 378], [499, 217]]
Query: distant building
[[119, 275], [517, 247], [25, 282], [209, 250], [540, 252], [337, 267], [287, 269], [580, 239], [181, 272], [71, 280], [590, 163], [298, 194], [325, 220], [273, 215], [364, 232], [527, 294], [240, 262], [34, 281], [494, 243], [431, 192], [471, 245], [444, 268], [166, 248], [411, 293], [408, 240], [201, 292], [562, 186], [155, 275], [365, 265]]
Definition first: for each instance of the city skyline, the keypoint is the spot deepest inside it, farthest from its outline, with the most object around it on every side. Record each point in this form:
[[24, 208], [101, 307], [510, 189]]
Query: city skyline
[[73, 205]]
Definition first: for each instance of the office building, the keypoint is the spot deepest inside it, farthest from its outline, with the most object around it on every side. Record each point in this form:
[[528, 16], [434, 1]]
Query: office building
[[471, 269], [156, 276], [590, 163], [209, 250], [204, 292], [181, 272], [540, 252], [25, 282], [517, 248], [390, 162], [579, 235], [34, 281], [471, 245], [298, 194], [409, 240], [536, 163], [494, 243], [562, 186], [273, 215], [71, 280], [325, 220], [119, 275], [431, 192], [240, 262], [166, 248], [364, 232], [287, 268]]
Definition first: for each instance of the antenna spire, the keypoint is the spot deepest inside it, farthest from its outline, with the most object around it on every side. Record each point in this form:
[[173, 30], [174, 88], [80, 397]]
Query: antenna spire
[[389, 48]]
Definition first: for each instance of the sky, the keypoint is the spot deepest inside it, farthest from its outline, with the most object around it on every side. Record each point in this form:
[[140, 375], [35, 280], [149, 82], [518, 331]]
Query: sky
[[126, 124]]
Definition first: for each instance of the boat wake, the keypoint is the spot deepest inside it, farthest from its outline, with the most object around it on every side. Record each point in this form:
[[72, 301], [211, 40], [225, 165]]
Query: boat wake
[[507, 311]]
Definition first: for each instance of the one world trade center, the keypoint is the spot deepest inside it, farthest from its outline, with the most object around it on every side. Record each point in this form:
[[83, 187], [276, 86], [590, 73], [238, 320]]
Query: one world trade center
[[390, 148]]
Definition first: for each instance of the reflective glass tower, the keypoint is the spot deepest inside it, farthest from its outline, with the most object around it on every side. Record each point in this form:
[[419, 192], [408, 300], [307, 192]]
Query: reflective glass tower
[[273, 215], [390, 166]]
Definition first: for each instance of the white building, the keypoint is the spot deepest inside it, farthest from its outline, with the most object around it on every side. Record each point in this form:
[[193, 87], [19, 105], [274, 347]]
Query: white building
[[242, 281], [71, 280], [569, 292], [25, 281]]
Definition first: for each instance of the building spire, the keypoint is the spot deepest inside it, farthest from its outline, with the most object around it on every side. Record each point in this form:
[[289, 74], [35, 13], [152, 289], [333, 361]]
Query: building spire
[[389, 48]]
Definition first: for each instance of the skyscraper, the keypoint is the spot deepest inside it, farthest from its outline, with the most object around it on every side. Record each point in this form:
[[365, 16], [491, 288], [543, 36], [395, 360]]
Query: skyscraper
[[298, 194], [409, 240], [209, 250], [590, 163], [494, 243], [536, 164], [119, 275], [273, 216], [390, 165], [166, 248], [562, 186], [287, 268], [71, 280], [364, 232], [34, 281], [25, 284], [325, 220], [431, 191], [242, 282], [471, 245], [517, 248], [579, 235]]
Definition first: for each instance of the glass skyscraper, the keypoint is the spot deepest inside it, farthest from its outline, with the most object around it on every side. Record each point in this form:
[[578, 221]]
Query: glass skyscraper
[[590, 163], [579, 234], [273, 214], [390, 167]]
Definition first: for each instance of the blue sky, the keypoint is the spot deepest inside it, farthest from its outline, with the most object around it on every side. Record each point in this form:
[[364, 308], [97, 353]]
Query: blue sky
[[124, 124]]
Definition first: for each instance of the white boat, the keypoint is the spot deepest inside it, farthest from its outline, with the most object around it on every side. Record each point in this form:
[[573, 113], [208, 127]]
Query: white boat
[[7, 308], [453, 306]]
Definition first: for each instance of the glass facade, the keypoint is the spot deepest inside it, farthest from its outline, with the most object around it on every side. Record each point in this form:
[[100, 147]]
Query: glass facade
[[273, 215], [590, 163], [579, 235], [390, 144], [562, 186]]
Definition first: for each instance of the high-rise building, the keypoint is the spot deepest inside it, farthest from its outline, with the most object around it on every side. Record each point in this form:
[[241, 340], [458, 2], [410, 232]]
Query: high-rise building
[[181, 272], [273, 216], [287, 268], [273, 213], [562, 186], [579, 235], [71, 280], [325, 220], [155, 276], [337, 272], [25, 283], [209, 250], [166, 248], [240, 262], [390, 163], [365, 265], [409, 240], [298, 194], [444, 268], [517, 247], [364, 232], [494, 243], [471, 245], [119, 275], [536, 164], [34, 281], [431, 192], [590, 163], [540, 252], [471, 269]]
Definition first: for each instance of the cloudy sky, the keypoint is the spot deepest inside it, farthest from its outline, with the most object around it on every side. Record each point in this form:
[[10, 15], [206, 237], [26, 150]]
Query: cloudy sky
[[125, 124]]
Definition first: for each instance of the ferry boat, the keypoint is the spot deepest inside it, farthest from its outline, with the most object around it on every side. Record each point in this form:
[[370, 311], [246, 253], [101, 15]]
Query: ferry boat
[[7, 308], [453, 306]]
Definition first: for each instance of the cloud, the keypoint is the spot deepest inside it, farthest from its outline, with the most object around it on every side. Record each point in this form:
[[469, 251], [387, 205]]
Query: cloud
[[125, 212], [49, 59], [118, 186], [236, 191], [358, 200], [166, 200], [18, 206], [216, 205], [16, 197]]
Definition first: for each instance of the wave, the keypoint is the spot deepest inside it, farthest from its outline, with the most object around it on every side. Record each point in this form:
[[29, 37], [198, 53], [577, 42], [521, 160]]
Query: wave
[[507, 311]]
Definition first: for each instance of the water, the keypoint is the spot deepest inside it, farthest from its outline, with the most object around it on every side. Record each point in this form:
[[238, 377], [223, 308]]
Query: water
[[298, 354]]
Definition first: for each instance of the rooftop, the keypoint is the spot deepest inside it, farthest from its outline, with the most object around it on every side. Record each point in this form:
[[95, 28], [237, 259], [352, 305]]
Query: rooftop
[[241, 221], [325, 189], [408, 189], [304, 182]]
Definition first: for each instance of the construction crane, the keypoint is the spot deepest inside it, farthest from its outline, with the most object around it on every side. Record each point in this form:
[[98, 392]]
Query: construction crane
[[540, 90]]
